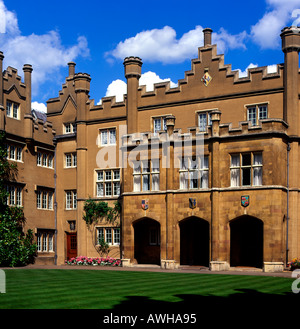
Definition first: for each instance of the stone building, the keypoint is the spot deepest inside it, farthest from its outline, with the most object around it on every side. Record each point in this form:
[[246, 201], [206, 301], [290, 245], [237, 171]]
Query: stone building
[[206, 172]]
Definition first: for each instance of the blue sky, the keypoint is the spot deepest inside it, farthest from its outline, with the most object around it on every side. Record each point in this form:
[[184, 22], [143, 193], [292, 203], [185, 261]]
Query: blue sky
[[97, 35]]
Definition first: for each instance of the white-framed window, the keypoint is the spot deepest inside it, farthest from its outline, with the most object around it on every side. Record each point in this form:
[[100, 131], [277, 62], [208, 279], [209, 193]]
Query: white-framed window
[[159, 124], [12, 110], [255, 113], [108, 136], [14, 197], [39, 199], [70, 160], [110, 235], [45, 241], [146, 175], [44, 199], [193, 172], [44, 160], [204, 120], [14, 152], [108, 182], [246, 169], [71, 199], [69, 128]]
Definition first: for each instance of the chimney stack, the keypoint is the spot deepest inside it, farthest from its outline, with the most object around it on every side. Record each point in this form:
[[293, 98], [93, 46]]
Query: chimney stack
[[71, 69], [133, 71], [207, 36], [291, 46], [28, 123]]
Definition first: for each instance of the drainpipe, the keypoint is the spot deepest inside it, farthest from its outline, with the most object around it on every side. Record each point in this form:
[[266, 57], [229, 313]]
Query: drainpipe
[[55, 207], [287, 201]]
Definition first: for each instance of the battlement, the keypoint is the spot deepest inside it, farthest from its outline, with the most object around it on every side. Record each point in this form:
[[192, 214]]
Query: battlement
[[245, 129]]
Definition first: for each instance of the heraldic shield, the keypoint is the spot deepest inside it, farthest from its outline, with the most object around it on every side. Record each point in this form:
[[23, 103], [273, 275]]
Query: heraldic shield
[[145, 204], [245, 200], [192, 203]]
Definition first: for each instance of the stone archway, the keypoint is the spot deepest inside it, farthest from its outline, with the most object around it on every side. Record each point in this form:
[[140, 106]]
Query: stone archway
[[147, 241], [194, 241], [246, 242]]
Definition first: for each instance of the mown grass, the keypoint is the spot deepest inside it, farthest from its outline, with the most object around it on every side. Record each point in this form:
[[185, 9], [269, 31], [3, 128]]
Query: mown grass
[[96, 289]]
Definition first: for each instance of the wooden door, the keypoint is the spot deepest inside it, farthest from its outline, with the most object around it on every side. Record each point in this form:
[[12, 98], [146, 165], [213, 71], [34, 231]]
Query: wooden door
[[71, 245]]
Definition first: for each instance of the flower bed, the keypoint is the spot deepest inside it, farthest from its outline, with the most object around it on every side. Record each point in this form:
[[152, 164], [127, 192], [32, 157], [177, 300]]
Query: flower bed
[[98, 261], [294, 264]]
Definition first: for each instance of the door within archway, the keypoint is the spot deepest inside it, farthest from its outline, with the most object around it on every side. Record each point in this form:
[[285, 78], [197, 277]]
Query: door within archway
[[194, 242], [246, 242], [147, 241]]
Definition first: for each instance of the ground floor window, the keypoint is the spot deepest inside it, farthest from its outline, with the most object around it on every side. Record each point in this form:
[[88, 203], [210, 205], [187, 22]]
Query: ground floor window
[[110, 235], [45, 240]]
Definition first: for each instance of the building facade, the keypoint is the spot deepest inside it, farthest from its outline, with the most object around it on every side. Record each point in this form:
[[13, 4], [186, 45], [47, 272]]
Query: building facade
[[206, 173]]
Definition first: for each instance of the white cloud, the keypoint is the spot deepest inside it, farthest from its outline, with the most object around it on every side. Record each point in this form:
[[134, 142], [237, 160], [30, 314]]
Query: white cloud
[[41, 107], [266, 31], [272, 68], [45, 52], [118, 87], [243, 74], [161, 45], [150, 78]]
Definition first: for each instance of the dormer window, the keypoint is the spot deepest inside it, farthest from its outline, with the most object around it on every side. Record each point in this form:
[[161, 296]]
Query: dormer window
[[69, 128], [12, 110]]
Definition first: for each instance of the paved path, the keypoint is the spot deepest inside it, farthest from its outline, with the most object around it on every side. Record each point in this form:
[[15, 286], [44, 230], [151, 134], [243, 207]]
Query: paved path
[[154, 268]]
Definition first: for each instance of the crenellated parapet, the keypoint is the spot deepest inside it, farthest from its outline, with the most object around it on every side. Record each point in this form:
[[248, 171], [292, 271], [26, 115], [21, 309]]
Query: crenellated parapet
[[211, 77]]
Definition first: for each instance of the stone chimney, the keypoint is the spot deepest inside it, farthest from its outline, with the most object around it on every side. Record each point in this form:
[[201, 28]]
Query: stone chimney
[[290, 46], [71, 69], [133, 69], [207, 32], [28, 124]]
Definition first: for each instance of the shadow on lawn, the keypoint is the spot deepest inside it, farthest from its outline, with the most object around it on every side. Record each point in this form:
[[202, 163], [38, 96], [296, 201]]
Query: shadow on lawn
[[246, 305]]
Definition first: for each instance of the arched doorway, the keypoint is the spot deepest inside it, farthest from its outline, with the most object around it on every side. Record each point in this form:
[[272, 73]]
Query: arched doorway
[[246, 242], [194, 242], [147, 241]]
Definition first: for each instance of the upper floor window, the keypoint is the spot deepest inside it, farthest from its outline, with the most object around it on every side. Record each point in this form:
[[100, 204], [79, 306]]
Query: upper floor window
[[146, 175], [14, 197], [12, 110], [256, 113], [44, 199], [70, 160], [44, 160], [108, 136], [193, 172], [14, 152], [108, 182], [246, 169], [204, 120], [159, 124], [71, 199], [69, 128]]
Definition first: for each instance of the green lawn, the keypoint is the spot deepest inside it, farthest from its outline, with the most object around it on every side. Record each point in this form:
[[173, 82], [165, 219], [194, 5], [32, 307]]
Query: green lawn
[[96, 289]]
